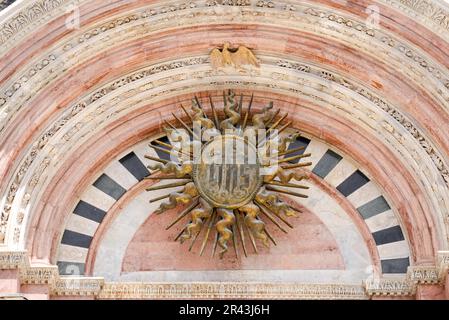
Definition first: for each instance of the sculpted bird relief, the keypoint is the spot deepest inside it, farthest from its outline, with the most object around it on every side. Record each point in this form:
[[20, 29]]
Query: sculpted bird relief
[[233, 180], [229, 60]]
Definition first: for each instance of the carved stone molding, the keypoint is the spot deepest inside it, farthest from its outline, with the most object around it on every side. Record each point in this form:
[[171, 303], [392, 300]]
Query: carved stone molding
[[423, 274], [334, 81], [431, 13], [13, 259], [390, 287], [39, 275], [230, 290], [443, 264], [77, 286], [308, 18], [97, 287]]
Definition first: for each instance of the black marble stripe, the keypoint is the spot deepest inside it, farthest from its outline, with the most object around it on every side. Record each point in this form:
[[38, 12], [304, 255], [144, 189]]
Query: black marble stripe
[[161, 154], [71, 268], [327, 162], [109, 186], [299, 142], [374, 207], [395, 265], [76, 239], [90, 212], [389, 235], [352, 183], [133, 164]]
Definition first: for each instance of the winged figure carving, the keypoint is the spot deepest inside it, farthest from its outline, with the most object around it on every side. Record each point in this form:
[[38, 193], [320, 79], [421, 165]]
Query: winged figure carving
[[242, 59]]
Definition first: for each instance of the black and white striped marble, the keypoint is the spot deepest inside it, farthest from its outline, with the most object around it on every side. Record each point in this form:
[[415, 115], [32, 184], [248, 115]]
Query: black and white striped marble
[[339, 171]]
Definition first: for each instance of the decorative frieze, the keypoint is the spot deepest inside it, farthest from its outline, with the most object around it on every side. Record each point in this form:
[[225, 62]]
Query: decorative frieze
[[77, 286], [431, 10], [347, 23], [390, 287], [12, 259], [97, 287], [333, 78], [234, 290], [423, 274], [39, 275], [27, 16]]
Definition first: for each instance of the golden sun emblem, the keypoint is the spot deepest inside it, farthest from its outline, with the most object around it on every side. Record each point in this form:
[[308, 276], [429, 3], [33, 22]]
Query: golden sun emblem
[[234, 173]]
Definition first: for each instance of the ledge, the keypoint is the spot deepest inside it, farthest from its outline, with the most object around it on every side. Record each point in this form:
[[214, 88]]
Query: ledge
[[96, 287]]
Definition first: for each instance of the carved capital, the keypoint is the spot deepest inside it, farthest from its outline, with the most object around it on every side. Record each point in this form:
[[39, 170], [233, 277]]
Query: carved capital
[[13, 259], [39, 275], [390, 287], [77, 286], [423, 274], [443, 264], [230, 290]]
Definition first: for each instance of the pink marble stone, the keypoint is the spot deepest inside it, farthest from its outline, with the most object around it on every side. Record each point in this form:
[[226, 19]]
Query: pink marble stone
[[308, 246], [9, 282], [430, 292], [35, 291]]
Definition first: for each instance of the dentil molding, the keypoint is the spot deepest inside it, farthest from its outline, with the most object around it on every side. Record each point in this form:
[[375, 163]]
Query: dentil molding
[[98, 288]]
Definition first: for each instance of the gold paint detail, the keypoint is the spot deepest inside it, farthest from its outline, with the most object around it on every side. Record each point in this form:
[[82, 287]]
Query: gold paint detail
[[229, 173], [226, 58]]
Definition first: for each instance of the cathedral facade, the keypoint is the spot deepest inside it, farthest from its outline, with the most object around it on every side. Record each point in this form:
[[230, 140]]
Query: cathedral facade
[[111, 110]]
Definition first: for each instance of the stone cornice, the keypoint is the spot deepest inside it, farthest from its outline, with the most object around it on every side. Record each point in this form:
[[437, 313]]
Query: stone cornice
[[97, 287], [230, 290], [390, 287], [443, 264], [25, 15], [13, 259], [286, 70]]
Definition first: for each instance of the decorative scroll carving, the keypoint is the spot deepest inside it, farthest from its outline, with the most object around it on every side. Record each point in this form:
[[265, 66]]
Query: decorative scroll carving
[[443, 264], [39, 275], [160, 68], [240, 59], [27, 16], [423, 274], [13, 259], [431, 10], [77, 286], [89, 286]]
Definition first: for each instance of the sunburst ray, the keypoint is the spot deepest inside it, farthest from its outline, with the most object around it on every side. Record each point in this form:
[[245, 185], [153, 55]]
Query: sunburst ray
[[237, 223]]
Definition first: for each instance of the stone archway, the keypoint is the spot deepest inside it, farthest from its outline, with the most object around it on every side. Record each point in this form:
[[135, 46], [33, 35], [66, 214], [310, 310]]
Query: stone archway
[[75, 101]]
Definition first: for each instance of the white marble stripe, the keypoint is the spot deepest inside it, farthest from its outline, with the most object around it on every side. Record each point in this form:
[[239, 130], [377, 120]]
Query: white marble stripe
[[143, 149], [317, 149], [381, 221], [111, 250], [393, 250], [350, 243], [81, 225], [72, 254], [98, 198], [341, 171], [121, 175], [364, 194]]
